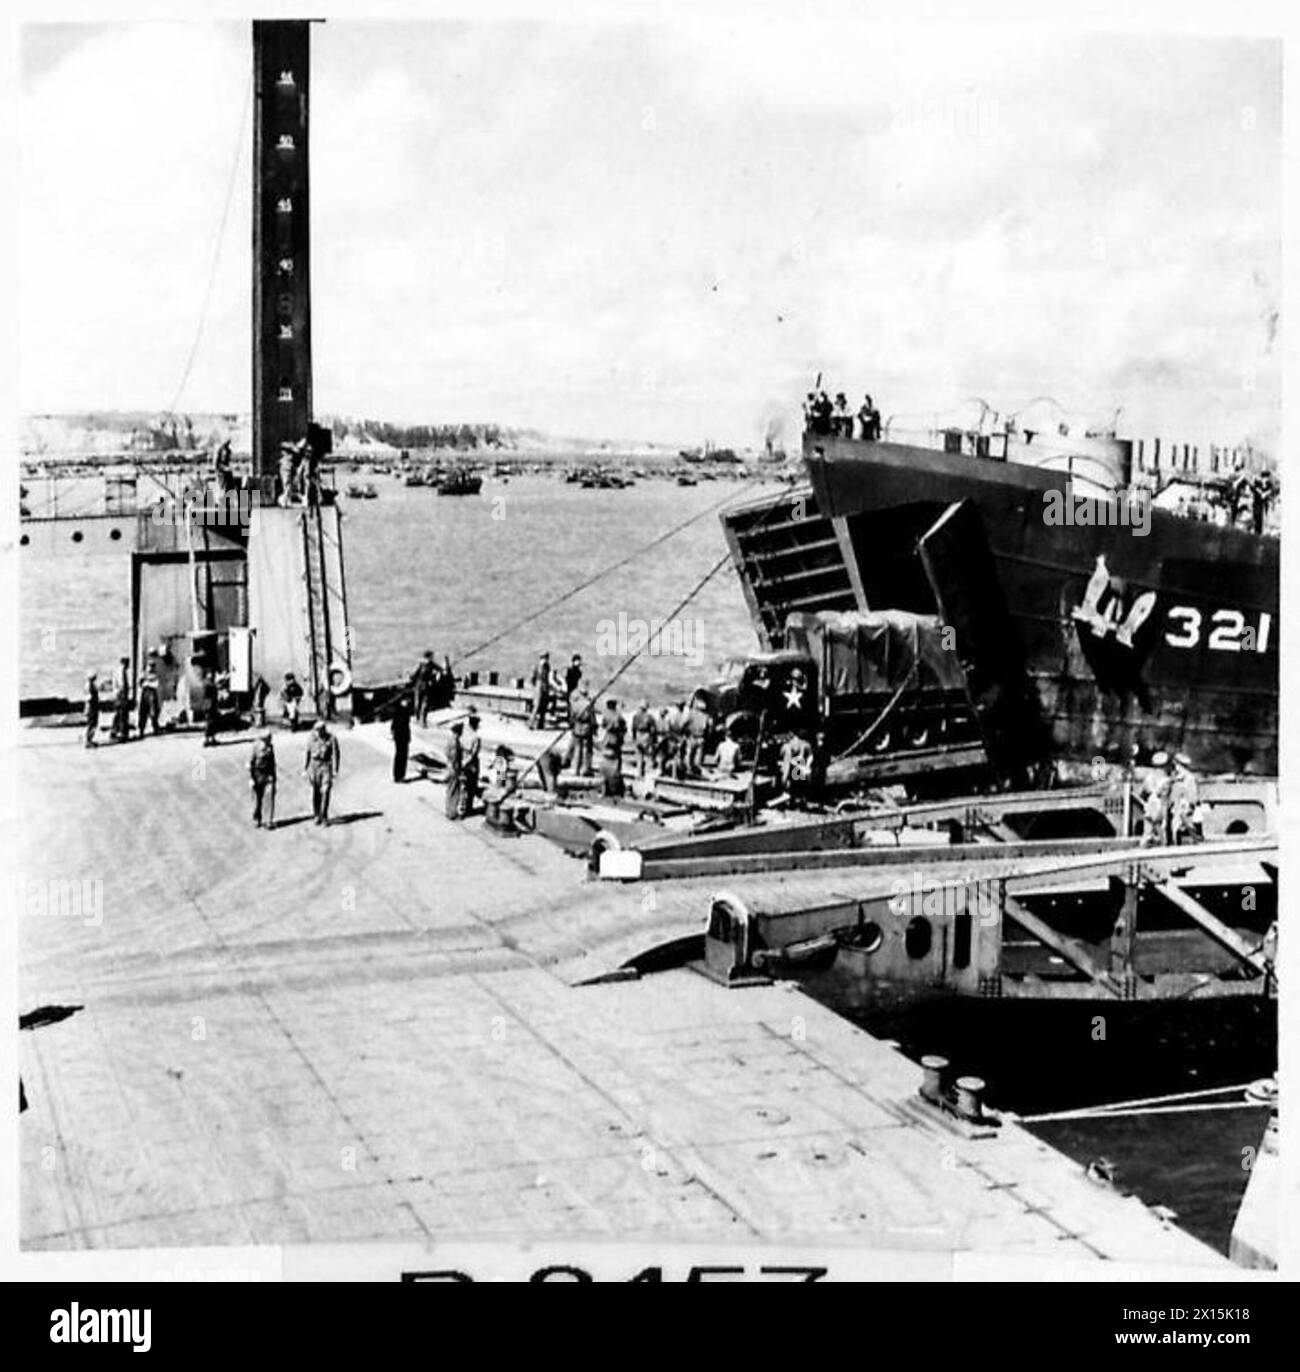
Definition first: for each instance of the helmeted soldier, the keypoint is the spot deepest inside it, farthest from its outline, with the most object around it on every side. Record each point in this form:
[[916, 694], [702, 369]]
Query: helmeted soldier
[[645, 735], [321, 767], [261, 780]]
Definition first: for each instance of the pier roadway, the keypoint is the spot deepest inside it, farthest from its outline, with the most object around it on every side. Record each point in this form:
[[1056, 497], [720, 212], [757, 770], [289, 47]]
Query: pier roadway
[[373, 1031]]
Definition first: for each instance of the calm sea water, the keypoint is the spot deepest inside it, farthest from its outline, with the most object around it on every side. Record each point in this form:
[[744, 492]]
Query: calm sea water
[[448, 573], [425, 571]]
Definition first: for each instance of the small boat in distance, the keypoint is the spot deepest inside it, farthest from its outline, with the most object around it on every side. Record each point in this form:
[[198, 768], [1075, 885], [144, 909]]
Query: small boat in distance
[[460, 481]]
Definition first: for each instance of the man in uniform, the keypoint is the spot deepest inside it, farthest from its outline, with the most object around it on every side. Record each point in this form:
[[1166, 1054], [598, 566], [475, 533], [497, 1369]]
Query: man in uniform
[[554, 760], [261, 781], [1261, 497], [614, 728], [291, 700], [697, 732], [1155, 802], [541, 684], [573, 676], [442, 692], [728, 755], [822, 412], [92, 709], [422, 683], [471, 761], [645, 735], [121, 730], [1185, 818], [400, 728], [261, 689], [583, 710], [321, 767], [869, 418], [455, 763], [148, 699], [212, 684], [842, 421]]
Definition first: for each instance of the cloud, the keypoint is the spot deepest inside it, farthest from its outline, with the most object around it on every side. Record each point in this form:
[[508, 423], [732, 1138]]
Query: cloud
[[666, 230]]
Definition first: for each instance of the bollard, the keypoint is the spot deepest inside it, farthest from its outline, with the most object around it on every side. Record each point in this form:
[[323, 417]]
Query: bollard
[[932, 1083], [969, 1091]]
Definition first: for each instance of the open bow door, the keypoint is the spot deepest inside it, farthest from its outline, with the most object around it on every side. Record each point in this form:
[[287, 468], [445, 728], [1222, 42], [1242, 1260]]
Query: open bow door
[[963, 577]]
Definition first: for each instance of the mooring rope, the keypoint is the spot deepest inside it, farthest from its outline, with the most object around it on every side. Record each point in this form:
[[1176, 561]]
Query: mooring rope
[[1152, 1105], [595, 577]]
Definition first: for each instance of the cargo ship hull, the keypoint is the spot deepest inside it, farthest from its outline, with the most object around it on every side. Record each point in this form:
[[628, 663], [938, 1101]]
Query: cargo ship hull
[[1113, 639]]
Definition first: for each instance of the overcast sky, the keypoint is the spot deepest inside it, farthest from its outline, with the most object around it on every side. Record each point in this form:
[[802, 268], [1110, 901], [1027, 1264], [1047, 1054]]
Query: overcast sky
[[665, 232]]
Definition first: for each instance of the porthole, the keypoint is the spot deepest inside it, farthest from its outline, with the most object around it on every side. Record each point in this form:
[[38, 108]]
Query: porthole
[[868, 937], [76, 535], [115, 534], [23, 541], [918, 937]]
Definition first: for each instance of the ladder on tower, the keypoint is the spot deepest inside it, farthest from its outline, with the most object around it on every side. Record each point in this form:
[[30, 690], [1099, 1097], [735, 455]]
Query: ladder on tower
[[325, 620]]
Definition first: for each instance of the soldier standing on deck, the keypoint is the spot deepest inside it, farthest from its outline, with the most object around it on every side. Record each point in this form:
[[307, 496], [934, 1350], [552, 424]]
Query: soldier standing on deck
[[582, 710], [572, 677], [400, 728], [541, 683], [611, 749], [92, 709], [696, 730], [261, 780], [1155, 803], [645, 734], [1185, 815], [321, 767]]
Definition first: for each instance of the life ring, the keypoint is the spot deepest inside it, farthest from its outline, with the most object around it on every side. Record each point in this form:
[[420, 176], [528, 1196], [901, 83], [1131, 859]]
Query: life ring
[[340, 678]]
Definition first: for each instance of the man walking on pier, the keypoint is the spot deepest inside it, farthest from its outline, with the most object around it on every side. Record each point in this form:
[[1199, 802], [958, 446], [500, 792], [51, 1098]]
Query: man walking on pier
[[321, 767], [261, 781], [92, 709]]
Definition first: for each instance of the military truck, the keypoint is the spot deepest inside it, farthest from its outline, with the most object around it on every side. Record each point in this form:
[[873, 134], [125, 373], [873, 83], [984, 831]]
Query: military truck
[[851, 699]]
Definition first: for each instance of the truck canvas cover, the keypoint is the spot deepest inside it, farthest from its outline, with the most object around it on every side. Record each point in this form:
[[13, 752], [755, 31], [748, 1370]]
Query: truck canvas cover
[[864, 651]]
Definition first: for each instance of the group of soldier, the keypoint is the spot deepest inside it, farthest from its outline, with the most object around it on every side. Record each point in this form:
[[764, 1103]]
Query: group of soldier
[[123, 702], [669, 742], [823, 416], [1170, 800], [320, 766]]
